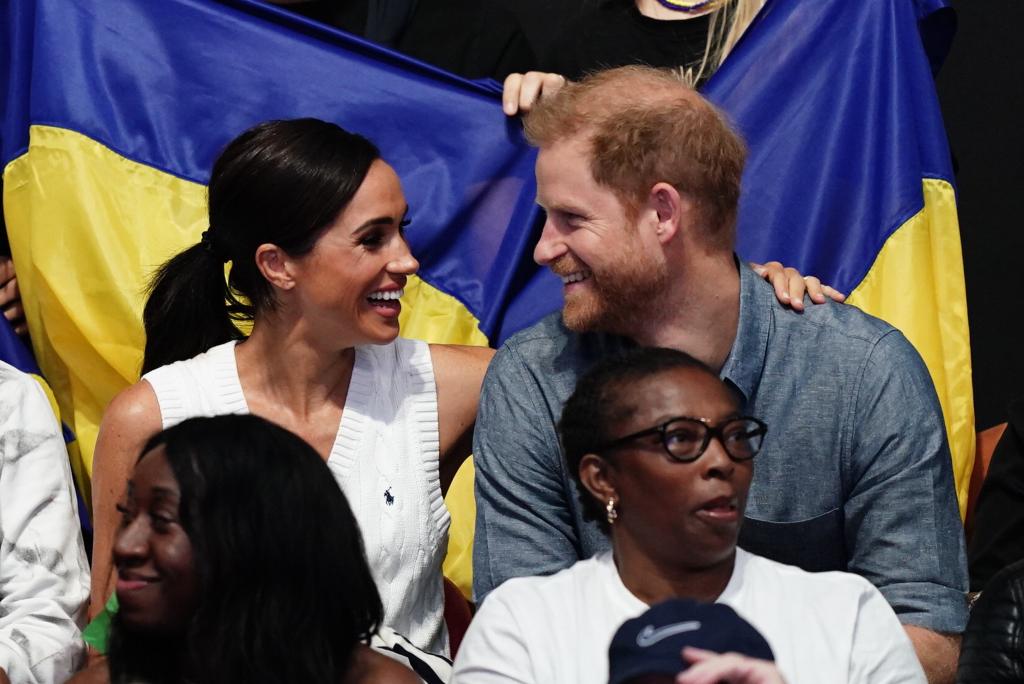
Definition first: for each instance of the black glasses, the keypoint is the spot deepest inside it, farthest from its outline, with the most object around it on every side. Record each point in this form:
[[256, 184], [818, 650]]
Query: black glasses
[[686, 439]]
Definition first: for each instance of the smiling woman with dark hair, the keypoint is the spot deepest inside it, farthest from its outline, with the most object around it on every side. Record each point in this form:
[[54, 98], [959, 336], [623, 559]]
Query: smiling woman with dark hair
[[664, 456], [312, 224], [228, 570]]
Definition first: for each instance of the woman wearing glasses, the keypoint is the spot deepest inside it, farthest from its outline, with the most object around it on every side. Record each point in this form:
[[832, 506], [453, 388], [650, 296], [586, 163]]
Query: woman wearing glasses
[[663, 459]]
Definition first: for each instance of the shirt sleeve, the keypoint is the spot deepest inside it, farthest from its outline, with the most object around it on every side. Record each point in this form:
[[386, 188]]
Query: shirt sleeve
[[881, 652], [523, 525], [494, 650], [903, 529], [44, 577]]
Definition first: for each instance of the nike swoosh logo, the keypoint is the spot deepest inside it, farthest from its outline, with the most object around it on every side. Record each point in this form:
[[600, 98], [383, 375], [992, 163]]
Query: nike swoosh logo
[[649, 636]]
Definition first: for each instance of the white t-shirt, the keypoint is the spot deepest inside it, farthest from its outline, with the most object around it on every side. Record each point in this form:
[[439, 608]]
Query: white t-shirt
[[822, 627]]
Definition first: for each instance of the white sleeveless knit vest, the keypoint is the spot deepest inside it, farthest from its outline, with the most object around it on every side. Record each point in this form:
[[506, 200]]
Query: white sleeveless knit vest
[[385, 458]]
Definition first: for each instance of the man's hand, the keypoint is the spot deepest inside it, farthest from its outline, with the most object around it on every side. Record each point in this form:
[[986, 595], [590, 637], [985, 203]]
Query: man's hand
[[937, 652], [10, 300], [708, 667], [790, 285], [3, 677], [523, 90]]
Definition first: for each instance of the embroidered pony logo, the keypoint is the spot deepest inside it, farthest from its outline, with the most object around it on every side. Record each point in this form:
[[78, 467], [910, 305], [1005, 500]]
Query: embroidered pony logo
[[389, 498]]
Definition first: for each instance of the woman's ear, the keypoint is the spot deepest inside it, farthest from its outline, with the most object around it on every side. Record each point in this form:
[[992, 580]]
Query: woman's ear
[[275, 265], [598, 477]]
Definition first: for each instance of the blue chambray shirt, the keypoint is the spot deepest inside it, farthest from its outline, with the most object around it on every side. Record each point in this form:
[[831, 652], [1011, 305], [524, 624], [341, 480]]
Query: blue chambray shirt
[[855, 472]]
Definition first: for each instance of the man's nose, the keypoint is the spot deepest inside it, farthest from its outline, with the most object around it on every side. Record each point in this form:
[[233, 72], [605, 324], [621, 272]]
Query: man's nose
[[550, 246]]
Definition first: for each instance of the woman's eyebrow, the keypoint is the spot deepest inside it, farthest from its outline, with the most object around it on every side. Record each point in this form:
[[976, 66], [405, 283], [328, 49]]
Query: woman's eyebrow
[[379, 221], [162, 493]]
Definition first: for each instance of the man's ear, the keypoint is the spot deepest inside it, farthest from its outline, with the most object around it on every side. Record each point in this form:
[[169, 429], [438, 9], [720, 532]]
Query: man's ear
[[673, 211], [275, 265], [598, 477]]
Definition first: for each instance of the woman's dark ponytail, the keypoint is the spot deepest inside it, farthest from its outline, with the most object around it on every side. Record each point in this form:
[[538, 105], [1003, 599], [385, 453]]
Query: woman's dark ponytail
[[187, 311], [281, 182]]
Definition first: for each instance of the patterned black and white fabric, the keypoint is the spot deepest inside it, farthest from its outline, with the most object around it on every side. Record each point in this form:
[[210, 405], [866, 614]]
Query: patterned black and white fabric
[[431, 668]]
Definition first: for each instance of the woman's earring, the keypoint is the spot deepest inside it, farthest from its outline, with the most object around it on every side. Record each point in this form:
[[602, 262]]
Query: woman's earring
[[610, 512]]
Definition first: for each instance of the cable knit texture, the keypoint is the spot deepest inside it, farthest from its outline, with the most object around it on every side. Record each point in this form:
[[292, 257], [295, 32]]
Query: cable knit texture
[[993, 646], [385, 458]]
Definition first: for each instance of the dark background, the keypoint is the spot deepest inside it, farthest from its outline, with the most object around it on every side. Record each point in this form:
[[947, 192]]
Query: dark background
[[981, 87]]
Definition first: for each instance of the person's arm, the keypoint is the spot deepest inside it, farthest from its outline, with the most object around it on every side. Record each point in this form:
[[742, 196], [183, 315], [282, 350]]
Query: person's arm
[[458, 373], [937, 652], [130, 419], [903, 527], [44, 576], [524, 525]]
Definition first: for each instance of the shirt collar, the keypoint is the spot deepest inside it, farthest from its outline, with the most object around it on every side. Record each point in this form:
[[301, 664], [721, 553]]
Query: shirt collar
[[746, 358]]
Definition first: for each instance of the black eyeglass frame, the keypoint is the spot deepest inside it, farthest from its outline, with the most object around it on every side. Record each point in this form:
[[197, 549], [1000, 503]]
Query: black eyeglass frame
[[709, 432]]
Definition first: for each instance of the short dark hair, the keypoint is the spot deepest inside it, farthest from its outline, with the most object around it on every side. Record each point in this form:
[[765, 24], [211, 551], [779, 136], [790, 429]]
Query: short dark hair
[[597, 402], [286, 593], [281, 182]]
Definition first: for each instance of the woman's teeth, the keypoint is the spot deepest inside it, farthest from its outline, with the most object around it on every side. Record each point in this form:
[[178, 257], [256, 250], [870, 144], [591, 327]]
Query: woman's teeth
[[385, 295]]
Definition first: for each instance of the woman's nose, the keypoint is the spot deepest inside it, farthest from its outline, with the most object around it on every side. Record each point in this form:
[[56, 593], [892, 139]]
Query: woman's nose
[[716, 461], [404, 262], [132, 540]]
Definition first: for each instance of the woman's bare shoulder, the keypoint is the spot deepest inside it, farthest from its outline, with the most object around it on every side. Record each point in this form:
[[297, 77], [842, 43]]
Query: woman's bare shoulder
[[131, 417], [135, 403]]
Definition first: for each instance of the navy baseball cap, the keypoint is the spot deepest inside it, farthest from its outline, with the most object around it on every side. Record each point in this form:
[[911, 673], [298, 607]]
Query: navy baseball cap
[[652, 643]]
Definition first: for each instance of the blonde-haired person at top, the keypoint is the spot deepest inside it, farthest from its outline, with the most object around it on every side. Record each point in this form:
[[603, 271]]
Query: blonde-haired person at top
[[693, 36]]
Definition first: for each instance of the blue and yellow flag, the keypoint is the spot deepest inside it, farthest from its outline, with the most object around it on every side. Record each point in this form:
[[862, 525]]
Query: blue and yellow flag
[[850, 175], [113, 111]]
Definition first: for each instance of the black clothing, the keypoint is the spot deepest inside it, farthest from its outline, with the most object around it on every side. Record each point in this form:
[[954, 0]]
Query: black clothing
[[471, 38], [5, 245], [615, 34], [993, 645], [997, 539]]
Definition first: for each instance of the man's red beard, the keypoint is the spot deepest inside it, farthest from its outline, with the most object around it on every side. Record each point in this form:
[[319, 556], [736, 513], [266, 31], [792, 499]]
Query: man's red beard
[[617, 299]]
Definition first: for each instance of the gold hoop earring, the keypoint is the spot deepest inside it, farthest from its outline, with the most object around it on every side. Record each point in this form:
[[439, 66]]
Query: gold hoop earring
[[610, 513]]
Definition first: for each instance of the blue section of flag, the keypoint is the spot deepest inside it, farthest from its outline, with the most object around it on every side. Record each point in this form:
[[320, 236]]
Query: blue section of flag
[[838, 106], [835, 99], [169, 83], [14, 351]]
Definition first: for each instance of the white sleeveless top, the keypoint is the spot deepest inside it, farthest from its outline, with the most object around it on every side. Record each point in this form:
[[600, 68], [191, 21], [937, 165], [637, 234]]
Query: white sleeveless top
[[385, 458]]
